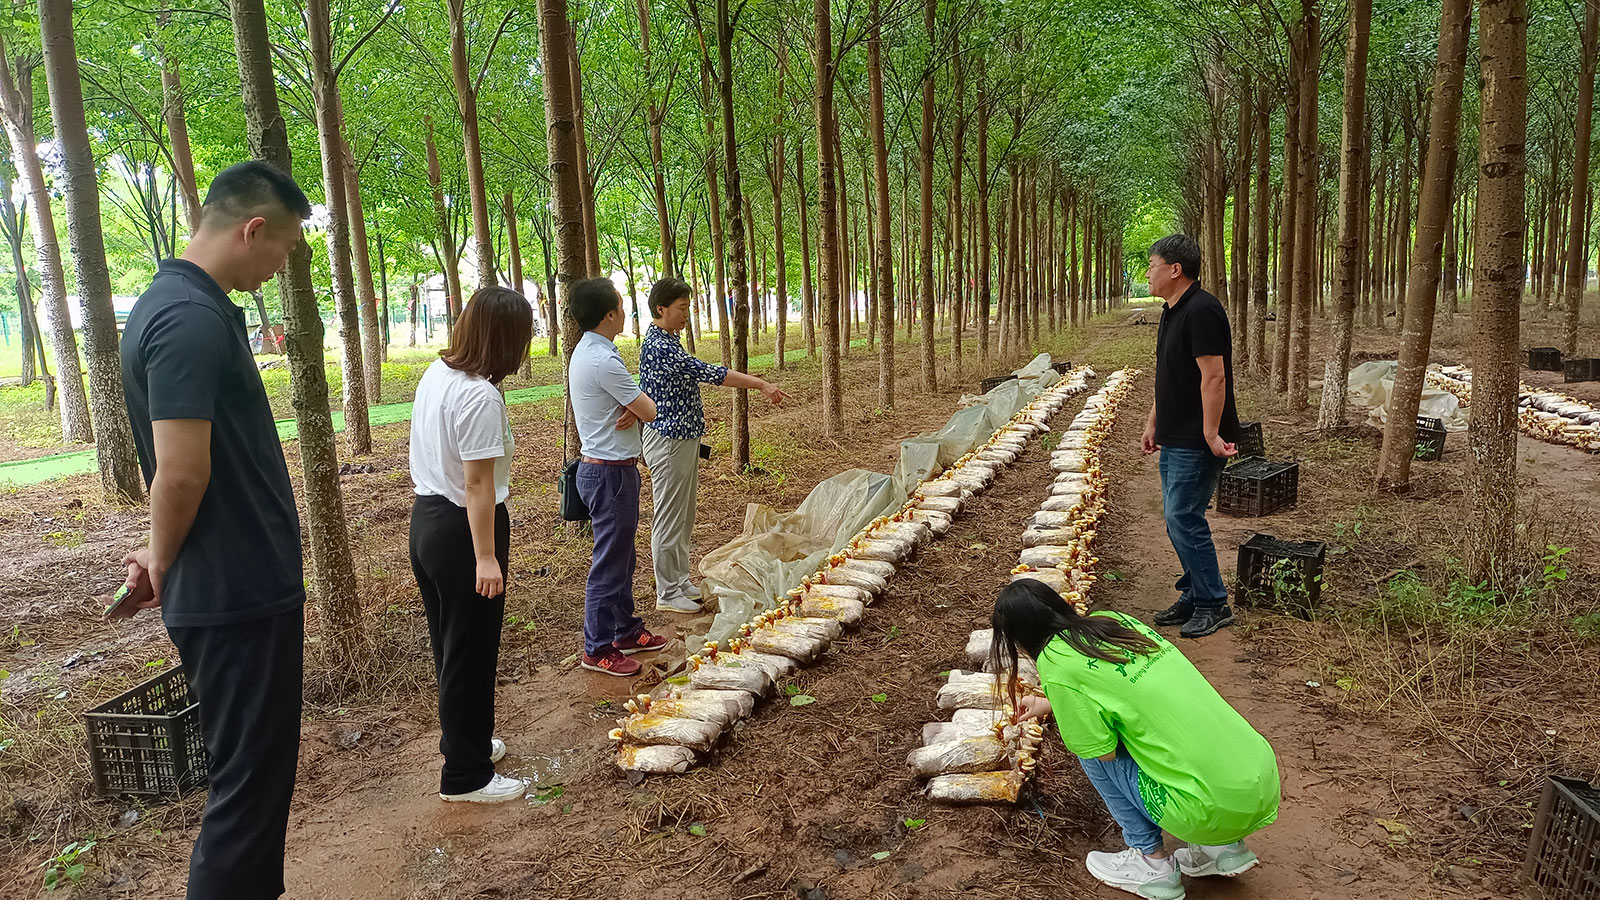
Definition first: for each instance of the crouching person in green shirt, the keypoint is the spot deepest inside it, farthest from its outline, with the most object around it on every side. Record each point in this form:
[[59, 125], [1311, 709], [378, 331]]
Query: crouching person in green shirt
[[1162, 747]]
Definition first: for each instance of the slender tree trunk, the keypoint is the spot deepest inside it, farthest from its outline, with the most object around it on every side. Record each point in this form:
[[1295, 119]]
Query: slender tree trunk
[[808, 309], [880, 168], [930, 375], [1577, 268], [120, 478], [1261, 239], [958, 260], [714, 214], [325, 91], [366, 297], [472, 147], [1433, 208], [828, 239], [655, 113], [16, 104], [586, 176], [1497, 291], [447, 236], [333, 575], [1352, 162], [1241, 227], [781, 263], [1306, 217], [737, 207], [984, 284], [1288, 230], [566, 197], [172, 115]]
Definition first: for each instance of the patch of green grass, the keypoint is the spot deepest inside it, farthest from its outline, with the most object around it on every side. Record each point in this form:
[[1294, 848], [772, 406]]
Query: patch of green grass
[[1587, 626]]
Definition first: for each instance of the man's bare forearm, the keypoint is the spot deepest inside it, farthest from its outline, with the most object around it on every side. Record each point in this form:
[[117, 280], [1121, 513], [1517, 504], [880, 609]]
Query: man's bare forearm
[[174, 501], [1213, 396]]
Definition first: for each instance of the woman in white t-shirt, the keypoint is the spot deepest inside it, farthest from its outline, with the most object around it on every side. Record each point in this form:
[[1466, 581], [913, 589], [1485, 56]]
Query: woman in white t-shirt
[[460, 534]]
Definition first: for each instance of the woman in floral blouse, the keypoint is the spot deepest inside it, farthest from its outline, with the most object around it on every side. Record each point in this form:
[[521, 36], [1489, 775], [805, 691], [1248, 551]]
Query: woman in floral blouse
[[672, 378]]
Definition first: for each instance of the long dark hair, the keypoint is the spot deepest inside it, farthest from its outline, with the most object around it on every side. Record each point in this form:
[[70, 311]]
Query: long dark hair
[[491, 337], [1028, 614]]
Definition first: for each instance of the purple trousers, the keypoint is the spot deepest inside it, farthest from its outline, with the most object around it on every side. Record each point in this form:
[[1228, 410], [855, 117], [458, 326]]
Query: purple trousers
[[612, 493]]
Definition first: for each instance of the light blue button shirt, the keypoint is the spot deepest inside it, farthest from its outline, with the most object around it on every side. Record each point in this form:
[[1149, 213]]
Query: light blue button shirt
[[600, 384]]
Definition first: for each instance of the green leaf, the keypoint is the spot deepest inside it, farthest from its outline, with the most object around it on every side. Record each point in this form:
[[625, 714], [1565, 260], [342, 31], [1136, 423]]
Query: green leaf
[[914, 824], [1348, 683], [75, 872], [881, 855], [678, 679], [791, 689], [802, 700], [880, 698], [697, 829]]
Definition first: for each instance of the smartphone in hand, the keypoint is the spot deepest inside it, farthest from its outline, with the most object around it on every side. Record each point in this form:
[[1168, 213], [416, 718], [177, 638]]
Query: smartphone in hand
[[122, 603]]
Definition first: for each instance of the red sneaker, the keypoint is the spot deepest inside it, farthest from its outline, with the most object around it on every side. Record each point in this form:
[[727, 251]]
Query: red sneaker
[[643, 642], [610, 662]]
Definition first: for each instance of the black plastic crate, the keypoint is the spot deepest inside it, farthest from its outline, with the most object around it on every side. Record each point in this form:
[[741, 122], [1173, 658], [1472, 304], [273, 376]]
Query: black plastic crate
[[995, 381], [1581, 370], [1563, 861], [1062, 367], [1257, 486], [1251, 442], [1544, 359], [1430, 438], [1281, 574], [146, 742]]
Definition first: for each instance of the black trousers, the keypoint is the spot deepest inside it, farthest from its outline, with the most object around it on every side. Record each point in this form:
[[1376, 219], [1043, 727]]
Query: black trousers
[[246, 678], [464, 627]]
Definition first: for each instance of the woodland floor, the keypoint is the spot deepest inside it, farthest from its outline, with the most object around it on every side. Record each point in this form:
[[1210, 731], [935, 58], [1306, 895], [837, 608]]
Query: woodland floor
[[1437, 712]]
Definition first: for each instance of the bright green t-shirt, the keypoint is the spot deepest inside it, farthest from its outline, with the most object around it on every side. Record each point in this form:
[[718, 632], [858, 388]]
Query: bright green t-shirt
[[1205, 775]]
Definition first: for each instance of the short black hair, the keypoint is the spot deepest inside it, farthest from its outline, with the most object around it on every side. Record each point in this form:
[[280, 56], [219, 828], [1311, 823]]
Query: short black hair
[[666, 292], [592, 300], [255, 188], [1180, 249]]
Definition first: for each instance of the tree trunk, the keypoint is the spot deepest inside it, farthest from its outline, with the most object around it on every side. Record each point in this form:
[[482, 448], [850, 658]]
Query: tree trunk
[[120, 478], [958, 259], [515, 246], [714, 215], [447, 235], [172, 114], [333, 576], [566, 197], [1287, 229], [1577, 251], [1306, 216], [1352, 162], [808, 308], [16, 104], [739, 274], [781, 261], [1241, 228], [880, 168], [586, 176], [330, 131], [1433, 210], [366, 296], [1497, 291], [472, 146], [828, 239], [982, 175], [655, 113], [1262, 239]]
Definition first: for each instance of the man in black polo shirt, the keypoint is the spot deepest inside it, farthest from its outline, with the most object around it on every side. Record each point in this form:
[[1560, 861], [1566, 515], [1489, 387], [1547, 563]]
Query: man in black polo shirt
[[223, 562], [1193, 423]]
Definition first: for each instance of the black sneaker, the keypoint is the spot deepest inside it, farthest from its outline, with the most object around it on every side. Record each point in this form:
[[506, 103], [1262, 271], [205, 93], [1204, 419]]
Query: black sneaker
[[1206, 620], [1176, 614]]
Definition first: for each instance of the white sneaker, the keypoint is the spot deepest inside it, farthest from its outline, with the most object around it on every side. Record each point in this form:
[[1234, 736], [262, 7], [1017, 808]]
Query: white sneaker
[[497, 750], [677, 605], [1132, 871], [1226, 860], [499, 790], [692, 592]]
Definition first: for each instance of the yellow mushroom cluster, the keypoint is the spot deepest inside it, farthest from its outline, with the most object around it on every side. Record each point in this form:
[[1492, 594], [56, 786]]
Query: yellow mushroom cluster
[[1549, 416], [980, 755], [668, 734]]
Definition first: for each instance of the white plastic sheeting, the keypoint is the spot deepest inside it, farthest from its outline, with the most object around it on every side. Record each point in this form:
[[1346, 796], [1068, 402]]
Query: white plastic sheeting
[[750, 573], [1371, 382]]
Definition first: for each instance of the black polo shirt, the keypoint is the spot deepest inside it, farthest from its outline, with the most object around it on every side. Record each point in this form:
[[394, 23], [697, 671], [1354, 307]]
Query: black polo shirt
[[185, 355], [1196, 325]]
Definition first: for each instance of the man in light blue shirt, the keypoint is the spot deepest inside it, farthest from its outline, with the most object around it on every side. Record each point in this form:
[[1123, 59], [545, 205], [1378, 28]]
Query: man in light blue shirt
[[608, 406]]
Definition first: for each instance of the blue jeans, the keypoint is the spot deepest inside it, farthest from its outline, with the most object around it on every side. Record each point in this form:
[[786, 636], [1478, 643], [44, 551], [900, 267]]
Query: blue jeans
[[1118, 784], [612, 493], [1188, 479]]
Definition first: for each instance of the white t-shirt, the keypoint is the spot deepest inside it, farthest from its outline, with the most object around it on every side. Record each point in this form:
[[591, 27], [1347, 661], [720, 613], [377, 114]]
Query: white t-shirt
[[458, 416]]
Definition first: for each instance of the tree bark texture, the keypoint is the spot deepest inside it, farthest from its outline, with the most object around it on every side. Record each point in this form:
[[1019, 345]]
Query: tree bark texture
[[566, 198], [1352, 162], [1577, 269]]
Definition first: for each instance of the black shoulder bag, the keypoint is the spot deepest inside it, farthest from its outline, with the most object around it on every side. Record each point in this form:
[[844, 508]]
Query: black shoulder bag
[[573, 509]]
